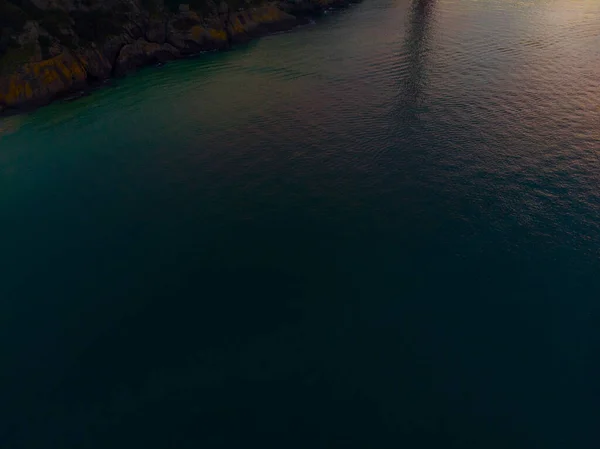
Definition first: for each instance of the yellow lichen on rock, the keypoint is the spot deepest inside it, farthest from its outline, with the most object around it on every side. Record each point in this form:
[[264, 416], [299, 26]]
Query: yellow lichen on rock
[[268, 14], [217, 35], [14, 91], [237, 26], [196, 33], [49, 76]]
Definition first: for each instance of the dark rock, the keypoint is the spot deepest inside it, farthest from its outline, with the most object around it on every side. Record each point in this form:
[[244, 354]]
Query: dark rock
[[142, 52]]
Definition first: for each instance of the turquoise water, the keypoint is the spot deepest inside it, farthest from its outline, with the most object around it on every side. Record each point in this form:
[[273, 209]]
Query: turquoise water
[[378, 231]]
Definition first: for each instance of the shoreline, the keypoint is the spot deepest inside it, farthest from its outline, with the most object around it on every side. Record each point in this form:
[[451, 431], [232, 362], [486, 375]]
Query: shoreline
[[18, 94]]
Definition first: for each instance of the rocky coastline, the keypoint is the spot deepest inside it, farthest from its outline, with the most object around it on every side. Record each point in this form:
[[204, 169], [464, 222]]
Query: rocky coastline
[[52, 48]]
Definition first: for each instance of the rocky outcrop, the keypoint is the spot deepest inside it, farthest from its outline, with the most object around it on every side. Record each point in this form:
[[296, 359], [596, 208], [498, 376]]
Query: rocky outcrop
[[36, 82], [49, 48], [141, 52]]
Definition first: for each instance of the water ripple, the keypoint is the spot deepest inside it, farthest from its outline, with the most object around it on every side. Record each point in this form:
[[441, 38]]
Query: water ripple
[[438, 159]]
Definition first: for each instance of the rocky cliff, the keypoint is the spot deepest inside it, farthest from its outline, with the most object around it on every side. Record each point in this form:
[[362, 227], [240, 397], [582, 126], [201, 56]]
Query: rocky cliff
[[49, 48]]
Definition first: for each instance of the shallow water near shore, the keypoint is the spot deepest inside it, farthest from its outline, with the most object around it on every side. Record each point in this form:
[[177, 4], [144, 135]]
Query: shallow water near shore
[[378, 231]]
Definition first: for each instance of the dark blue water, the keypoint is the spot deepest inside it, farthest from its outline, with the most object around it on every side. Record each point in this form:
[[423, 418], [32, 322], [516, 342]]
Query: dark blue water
[[379, 231]]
